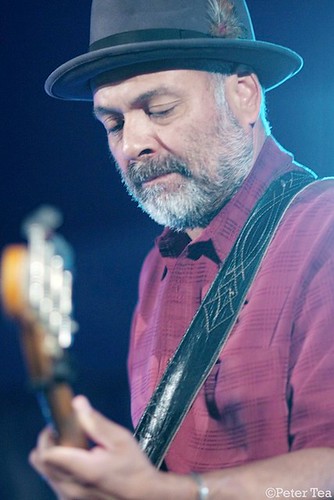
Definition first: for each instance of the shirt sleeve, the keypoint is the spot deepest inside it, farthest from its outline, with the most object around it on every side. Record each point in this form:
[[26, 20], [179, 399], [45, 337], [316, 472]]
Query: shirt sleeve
[[311, 379]]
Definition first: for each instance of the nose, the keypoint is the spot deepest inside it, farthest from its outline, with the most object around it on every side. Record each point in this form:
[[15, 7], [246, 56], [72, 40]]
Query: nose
[[138, 136]]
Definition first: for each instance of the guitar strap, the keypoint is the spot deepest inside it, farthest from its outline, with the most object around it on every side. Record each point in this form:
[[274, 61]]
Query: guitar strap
[[209, 330]]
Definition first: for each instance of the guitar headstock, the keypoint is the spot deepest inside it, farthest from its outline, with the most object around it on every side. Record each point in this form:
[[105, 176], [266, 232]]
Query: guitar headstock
[[36, 288]]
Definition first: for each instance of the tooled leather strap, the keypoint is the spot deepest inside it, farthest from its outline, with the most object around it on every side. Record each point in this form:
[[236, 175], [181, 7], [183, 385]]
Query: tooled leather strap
[[209, 330]]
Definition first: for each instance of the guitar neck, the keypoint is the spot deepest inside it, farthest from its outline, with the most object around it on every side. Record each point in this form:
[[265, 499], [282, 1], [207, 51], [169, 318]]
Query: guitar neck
[[36, 286], [55, 403], [52, 387]]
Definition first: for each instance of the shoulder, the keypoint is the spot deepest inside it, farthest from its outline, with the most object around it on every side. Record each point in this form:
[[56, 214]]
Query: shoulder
[[307, 228], [319, 192], [313, 204]]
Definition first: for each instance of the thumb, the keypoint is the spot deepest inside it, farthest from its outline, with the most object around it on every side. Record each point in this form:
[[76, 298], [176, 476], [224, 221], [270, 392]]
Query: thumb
[[98, 428]]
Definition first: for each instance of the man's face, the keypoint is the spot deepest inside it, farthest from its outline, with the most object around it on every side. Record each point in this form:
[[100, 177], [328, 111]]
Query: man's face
[[180, 151]]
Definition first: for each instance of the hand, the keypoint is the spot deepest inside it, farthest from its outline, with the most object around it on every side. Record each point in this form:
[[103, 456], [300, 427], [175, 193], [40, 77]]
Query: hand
[[114, 468]]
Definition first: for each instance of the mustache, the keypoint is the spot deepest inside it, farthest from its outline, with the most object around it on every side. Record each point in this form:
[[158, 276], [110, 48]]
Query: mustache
[[151, 168]]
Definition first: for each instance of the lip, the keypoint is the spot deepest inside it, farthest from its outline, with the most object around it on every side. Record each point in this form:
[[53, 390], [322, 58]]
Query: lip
[[160, 178]]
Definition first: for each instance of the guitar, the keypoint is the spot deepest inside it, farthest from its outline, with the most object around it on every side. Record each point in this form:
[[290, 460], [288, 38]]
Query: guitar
[[36, 290]]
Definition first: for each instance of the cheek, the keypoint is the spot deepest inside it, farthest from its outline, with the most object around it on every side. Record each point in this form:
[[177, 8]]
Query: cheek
[[116, 155], [175, 140]]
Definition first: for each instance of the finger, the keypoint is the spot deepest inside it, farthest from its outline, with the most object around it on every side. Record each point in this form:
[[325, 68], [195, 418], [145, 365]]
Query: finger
[[45, 440], [66, 469], [99, 429]]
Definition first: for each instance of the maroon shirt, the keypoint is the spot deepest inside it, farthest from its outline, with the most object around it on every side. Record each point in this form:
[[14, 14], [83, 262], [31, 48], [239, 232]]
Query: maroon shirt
[[272, 390]]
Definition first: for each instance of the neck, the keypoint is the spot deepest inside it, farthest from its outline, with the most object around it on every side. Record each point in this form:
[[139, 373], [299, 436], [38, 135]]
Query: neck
[[194, 233], [259, 137]]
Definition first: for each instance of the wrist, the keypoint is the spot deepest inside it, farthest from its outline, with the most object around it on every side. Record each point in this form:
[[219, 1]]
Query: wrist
[[172, 486], [202, 488]]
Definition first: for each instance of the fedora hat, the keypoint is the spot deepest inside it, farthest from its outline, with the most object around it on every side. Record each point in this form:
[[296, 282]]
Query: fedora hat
[[129, 37]]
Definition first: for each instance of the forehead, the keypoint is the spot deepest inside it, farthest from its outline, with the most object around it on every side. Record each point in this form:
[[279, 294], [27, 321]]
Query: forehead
[[174, 82]]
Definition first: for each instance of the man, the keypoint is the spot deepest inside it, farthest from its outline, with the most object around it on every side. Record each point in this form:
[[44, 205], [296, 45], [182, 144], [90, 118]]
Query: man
[[179, 87]]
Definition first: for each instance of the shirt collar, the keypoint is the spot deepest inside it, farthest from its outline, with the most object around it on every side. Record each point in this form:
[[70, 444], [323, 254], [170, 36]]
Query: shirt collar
[[217, 238]]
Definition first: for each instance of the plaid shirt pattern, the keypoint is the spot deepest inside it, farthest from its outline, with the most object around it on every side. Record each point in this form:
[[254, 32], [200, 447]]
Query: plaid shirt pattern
[[271, 391]]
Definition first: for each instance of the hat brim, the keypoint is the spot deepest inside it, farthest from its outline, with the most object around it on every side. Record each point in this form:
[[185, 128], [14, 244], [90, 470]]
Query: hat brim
[[272, 63]]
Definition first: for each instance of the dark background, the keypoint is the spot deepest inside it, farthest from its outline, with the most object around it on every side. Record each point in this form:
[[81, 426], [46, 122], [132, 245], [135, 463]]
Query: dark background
[[54, 152]]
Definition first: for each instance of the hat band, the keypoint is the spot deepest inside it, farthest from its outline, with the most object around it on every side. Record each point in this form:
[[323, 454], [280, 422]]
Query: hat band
[[145, 36]]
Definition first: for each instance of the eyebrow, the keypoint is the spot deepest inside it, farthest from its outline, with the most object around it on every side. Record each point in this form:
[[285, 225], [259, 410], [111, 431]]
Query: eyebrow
[[99, 111]]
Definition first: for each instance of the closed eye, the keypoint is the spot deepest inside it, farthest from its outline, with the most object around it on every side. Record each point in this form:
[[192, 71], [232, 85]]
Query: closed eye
[[114, 126], [112, 121], [163, 112], [160, 112]]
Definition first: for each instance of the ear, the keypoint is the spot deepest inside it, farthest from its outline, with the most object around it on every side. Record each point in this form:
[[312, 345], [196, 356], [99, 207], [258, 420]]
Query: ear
[[244, 95]]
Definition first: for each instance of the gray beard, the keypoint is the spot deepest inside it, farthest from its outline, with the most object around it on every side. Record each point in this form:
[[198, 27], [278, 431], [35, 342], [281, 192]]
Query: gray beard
[[202, 191]]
